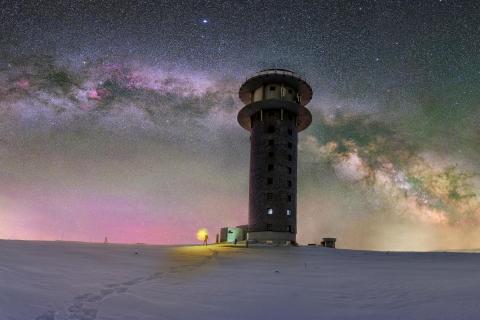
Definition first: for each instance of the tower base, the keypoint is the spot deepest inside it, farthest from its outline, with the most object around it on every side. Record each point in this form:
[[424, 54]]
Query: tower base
[[272, 237]]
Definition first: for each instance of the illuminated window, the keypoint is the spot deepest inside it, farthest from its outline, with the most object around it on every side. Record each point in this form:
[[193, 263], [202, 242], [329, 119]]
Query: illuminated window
[[269, 211], [289, 212], [269, 180]]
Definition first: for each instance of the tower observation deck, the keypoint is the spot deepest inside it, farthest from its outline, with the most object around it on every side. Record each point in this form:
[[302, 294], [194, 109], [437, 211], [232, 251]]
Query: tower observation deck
[[274, 113]]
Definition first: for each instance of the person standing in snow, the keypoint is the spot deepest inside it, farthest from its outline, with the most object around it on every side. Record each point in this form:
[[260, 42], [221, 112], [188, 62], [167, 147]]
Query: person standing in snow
[[205, 240]]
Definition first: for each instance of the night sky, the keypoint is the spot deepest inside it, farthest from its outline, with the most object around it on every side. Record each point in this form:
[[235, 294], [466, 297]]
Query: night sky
[[118, 118]]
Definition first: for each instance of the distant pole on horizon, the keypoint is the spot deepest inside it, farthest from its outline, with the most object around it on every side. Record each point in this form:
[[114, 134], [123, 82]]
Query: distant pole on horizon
[[274, 114]]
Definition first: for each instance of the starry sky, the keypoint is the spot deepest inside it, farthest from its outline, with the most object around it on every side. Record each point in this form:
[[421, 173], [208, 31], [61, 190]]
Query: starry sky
[[118, 118]]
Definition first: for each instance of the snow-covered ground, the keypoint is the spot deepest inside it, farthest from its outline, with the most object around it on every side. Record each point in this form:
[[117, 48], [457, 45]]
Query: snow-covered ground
[[65, 280]]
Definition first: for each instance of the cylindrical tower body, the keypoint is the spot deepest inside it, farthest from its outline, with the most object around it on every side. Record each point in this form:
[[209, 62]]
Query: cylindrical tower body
[[274, 114]]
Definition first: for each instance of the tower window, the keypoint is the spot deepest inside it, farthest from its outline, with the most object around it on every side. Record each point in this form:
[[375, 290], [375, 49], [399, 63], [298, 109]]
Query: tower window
[[269, 180], [290, 157], [271, 129], [289, 212], [269, 196], [289, 198], [270, 154], [270, 167], [272, 88], [271, 142], [289, 169], [289, 229], [289, 183], [290, 132], [269, 211], [290, 145]]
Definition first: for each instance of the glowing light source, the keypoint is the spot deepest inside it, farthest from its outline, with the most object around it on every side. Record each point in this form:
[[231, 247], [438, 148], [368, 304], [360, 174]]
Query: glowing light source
[[201, 233]]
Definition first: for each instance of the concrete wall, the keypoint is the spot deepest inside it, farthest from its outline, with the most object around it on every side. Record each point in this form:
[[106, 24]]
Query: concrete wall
[[235, 233], [223, 234], [258, 94], [273, 172], [274, 91], [274, 237]]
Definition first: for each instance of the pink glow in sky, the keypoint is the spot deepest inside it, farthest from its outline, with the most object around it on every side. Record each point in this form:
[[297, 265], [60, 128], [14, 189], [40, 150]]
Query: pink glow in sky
[[84, 216]]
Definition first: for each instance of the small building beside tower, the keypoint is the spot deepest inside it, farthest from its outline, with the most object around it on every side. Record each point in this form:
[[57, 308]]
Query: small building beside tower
[[230, 234]]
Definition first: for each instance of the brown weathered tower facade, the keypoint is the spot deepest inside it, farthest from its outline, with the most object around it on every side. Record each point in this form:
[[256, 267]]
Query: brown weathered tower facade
[[274, 114]]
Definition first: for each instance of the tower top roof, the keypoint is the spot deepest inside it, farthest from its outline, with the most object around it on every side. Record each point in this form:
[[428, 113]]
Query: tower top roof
[[276, 75], [276, 70]]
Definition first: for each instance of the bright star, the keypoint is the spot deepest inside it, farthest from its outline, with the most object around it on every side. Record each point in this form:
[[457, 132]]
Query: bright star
[[204, 21]]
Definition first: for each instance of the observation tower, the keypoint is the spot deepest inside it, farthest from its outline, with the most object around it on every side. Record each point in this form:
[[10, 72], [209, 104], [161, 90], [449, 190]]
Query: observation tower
[[274, 113]]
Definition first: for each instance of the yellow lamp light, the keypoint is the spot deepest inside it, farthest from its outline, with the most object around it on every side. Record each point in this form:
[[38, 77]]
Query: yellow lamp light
[[201, 233]]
